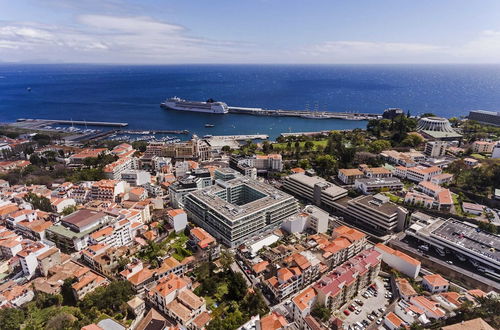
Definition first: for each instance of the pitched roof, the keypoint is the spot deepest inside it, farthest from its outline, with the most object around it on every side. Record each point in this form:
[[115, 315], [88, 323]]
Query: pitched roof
[[394, 319], [260, 267], [475, 324], [304, 298], [436, 280], [273, 321]]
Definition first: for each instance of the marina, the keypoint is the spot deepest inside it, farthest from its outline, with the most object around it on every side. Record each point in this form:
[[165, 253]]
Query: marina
[[35, 123]]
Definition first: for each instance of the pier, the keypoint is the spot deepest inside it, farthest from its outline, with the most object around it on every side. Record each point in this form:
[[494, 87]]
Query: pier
[[304, 114], [38, 123], [238, 137], [147, 132]]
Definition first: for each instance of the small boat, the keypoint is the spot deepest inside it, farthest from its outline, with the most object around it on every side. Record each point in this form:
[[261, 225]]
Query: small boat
[[209, 125], [28, 89]]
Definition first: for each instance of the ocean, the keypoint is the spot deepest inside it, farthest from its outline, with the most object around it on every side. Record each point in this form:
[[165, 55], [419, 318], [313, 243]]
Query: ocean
[[132, 94]]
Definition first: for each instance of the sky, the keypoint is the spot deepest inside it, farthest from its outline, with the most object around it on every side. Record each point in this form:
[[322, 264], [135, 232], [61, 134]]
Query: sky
[[250, 31]]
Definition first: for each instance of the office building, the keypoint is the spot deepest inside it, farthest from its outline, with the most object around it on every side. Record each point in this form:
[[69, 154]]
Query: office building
[[435, 149], [235, 211], [485, 117], [375, 185], [375, 212], [313, 188]]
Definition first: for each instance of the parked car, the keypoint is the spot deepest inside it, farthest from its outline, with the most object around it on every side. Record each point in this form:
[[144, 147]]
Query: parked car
[[379, 321], [351, 308], [346, 312]]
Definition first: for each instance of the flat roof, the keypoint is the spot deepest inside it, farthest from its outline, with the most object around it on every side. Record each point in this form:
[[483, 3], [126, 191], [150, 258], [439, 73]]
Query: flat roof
[[311, 181], [468, 237], [269, 197], [377, 181], [371, 202]]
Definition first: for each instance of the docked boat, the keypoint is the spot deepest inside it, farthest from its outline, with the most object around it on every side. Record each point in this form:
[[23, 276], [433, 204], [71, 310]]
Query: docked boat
[[209, 125], [209, 106]]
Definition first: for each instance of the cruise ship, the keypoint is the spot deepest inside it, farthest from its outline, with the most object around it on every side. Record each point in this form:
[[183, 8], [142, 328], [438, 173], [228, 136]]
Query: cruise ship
[[210, 106]]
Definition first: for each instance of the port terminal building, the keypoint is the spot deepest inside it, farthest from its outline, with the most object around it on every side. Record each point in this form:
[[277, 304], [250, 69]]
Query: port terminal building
[[461, 239]]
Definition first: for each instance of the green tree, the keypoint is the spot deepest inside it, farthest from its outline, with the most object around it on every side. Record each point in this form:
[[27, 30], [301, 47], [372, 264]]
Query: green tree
[[378, 146], [254, 304], [11, 318], [237, 286], [39, 202], [321, 312], [69, 209], [226, 259]]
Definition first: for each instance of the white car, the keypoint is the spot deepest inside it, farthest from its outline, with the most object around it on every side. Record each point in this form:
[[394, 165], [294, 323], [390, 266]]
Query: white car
[[379, 321]]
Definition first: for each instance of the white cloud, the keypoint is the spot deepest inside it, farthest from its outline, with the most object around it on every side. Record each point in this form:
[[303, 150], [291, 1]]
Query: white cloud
[[142, 39]]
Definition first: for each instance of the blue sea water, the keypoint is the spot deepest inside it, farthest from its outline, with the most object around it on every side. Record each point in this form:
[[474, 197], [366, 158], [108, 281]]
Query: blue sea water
[[133, 93]]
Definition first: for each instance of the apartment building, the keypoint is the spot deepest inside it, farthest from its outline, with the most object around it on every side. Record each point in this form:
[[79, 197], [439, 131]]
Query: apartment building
[[177, 219], [107, 190], [315, 189], [302, 305], [173, 297], [483, 147], [342, 284], [312, 219], [114, 170], [435, 149]]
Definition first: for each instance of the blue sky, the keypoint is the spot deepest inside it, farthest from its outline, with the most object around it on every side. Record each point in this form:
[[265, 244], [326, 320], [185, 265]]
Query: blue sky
[[250, 31]]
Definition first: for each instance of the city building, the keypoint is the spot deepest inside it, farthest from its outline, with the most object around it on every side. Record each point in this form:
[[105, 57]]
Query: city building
[[476, 324], [74, 230], [342, 284], [483, 147], [435, 149], [135, 177], [312, 218], [172, 296], [202, 242], [485, 117], [261, 163], [375, 185], [114, 170], [177, 219], [435, 283], [302, 305], [107, 190], [437, 128], [399, 261], [473, 208], [348, 176], [374, 211], [417, 173], [391, 113], [462, 239], [407, 159], [196, 180], [235, 211], [471, 162], [315, 189]]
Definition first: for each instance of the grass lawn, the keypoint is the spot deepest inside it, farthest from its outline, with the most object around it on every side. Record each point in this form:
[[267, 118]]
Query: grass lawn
[[282, 146], [478, 156], [394, 198]]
